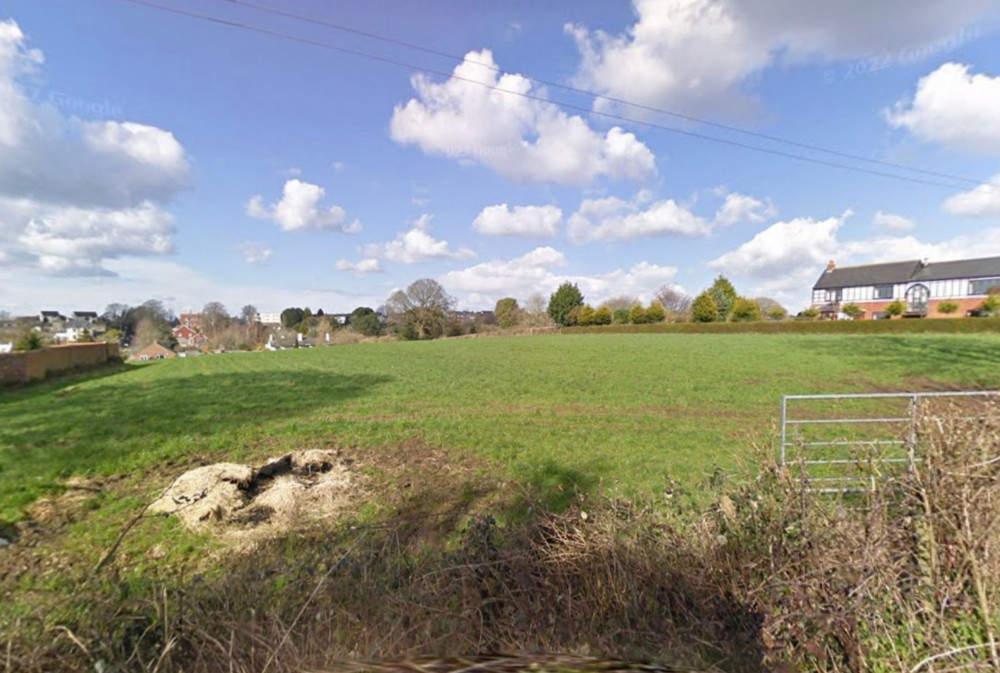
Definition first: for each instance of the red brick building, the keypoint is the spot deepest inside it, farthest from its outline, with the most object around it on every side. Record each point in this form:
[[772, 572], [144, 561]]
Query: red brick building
[[920, 285], [191, 320]]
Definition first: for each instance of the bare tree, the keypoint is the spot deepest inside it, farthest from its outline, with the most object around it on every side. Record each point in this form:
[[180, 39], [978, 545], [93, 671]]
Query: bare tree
[[771, 308], [536, 311], [420, 312], [248, 316], [624, 301], [675, 301], [214, 318]]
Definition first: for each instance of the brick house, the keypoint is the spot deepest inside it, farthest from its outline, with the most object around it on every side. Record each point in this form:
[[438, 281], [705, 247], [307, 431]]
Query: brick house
[[191, 320], [188, 337], [154, 351], [921, 286]]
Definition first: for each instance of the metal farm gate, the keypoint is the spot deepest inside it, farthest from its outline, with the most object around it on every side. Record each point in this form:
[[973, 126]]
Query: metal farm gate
[[837, 443]]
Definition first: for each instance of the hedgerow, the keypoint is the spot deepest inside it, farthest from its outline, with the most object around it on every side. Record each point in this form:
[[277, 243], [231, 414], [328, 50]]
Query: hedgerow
[[898, 326]]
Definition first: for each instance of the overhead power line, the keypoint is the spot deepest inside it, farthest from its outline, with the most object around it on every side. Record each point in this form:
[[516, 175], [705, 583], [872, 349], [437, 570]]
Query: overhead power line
[[599, 96], [608, 115]]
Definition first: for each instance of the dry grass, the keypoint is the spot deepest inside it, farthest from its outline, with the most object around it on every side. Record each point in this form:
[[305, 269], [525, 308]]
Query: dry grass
[[903, 578]]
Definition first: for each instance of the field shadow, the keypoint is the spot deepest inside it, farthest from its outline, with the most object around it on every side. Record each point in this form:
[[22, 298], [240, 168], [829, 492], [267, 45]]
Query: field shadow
[[54, 431], [951, 360], [557, 487]]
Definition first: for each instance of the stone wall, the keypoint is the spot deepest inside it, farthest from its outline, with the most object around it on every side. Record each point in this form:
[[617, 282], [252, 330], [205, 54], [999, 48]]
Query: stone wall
[[45, 362]]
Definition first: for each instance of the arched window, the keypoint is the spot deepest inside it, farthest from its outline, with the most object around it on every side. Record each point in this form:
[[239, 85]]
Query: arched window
[[916, 299]]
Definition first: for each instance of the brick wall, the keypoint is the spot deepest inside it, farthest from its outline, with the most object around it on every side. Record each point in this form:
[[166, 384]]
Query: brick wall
[[39, 364], [964, 306]]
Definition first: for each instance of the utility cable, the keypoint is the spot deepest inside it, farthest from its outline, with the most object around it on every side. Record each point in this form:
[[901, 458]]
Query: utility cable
[[598, 96], [580, 108]]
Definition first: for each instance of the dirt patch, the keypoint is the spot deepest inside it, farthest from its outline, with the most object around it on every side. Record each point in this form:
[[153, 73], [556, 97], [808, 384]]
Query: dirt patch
[[241, 503]]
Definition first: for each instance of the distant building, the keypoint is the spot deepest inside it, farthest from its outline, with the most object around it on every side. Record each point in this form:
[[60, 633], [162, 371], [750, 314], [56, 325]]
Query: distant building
[[153, 351], [188, 337], [51, 317], [85, 316], [74, 330], [191, 320], [280, 339], [921, 286], [6, 348], [269, 318]]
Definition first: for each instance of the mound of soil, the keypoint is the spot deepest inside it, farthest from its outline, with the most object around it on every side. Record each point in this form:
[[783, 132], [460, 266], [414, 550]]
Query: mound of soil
[[247, 503]]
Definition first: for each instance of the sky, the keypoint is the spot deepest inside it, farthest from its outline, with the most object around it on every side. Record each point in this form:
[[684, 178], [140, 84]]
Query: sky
[[275, 154]]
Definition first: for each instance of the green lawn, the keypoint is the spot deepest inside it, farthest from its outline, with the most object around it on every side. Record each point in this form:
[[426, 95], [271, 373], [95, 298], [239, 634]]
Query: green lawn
[[630, 408]]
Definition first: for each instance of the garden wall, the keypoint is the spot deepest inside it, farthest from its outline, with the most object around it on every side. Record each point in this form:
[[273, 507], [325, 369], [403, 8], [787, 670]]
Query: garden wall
[[40, 364]]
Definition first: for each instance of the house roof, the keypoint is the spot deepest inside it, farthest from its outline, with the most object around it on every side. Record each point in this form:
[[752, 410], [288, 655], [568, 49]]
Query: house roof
[[84, 314], [152, 350], [907, 272]]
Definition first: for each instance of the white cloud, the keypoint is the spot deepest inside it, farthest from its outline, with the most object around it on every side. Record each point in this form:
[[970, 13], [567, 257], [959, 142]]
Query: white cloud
[[616, 219], [742, 208], [534, 221], [537, 271], [516, 277], [698, 55], [520, 138], [954, 107], [803, 241], [299, 209], [892, 222], [255, 253], [416, 245], [983, 201], [75, 193], [368, 265]]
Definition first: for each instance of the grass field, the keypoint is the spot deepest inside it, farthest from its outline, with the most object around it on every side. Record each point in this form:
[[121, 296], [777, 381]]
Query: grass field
[[570, 411], [462, 450]]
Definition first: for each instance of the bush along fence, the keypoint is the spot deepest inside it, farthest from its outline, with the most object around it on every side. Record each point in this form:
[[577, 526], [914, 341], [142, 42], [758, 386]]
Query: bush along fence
[[40, 364], [954, 326]]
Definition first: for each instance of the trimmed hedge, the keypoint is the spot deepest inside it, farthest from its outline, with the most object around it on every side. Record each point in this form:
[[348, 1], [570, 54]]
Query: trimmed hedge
[[897, 326]]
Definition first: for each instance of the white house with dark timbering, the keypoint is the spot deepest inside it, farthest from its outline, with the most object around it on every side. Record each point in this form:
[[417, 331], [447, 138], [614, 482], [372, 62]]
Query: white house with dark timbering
[[922, 286]]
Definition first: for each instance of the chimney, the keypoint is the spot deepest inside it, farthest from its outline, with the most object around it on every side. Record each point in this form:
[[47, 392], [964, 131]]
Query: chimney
[[831, 265]]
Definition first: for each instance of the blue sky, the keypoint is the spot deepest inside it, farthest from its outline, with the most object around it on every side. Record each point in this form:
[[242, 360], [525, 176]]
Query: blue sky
[[149, 154]]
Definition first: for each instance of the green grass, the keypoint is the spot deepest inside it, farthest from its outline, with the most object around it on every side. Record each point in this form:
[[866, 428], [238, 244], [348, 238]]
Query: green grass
[[562, 410]]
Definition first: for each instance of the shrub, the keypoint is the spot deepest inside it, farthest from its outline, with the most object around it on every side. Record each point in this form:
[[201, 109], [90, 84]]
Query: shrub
[[637, 315], [947, 307], [564, 300], [853, 311], [572, 317], [704, 308], [895, 308], [585, 316], [602, 316], [368, 324], [620, 316], [508, 313], [725, 297], [777, 313], [991, 304], [30, 341], [745, 310], [655, 312], [810, 313]]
